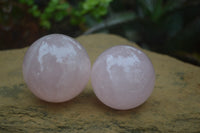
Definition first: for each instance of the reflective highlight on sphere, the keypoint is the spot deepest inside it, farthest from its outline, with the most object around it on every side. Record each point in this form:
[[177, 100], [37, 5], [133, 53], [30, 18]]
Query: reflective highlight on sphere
[[56, 68], [123, 77]]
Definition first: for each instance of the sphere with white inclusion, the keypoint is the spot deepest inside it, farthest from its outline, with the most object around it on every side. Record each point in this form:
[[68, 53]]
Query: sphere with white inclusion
[[56, 68], [123, 77]]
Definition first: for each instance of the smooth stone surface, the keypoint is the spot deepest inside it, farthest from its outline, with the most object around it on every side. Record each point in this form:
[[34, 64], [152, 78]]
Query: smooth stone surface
[[51, 66], [174, 105], [123, 77]]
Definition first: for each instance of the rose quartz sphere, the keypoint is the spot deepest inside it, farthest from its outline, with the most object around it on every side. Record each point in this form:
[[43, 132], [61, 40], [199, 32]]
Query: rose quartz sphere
[[56, 68], [123, 77]]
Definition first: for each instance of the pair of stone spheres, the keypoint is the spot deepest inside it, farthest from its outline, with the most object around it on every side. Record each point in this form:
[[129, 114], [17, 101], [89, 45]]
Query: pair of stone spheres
[[56, 68]]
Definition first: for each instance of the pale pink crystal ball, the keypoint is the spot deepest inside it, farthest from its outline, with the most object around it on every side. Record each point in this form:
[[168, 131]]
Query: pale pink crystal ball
[[123, 77], [56, 68]]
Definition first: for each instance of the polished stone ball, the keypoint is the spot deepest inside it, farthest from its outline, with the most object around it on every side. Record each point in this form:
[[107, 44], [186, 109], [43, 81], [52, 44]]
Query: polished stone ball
[[56, 68], [123, 77]]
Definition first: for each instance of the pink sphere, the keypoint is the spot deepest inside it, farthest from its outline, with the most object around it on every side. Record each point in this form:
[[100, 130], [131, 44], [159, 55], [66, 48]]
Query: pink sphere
[[123, 77], [56, 68]]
